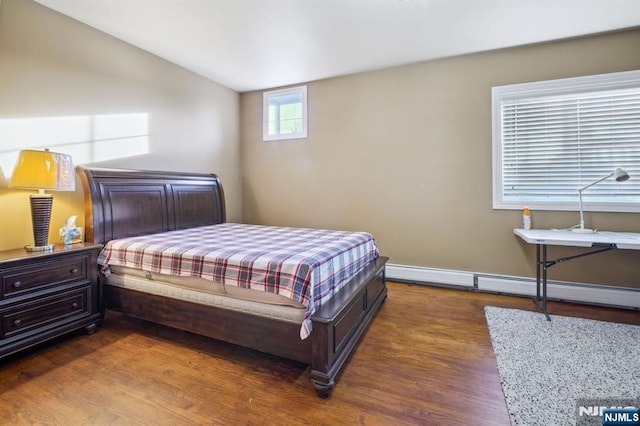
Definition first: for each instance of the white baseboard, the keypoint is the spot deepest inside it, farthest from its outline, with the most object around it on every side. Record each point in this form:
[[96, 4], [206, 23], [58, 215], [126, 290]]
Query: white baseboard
[[521, 286], [429, 275], [574, 292]]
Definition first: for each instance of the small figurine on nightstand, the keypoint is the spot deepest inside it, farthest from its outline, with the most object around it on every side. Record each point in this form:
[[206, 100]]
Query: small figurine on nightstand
[[69, 232]]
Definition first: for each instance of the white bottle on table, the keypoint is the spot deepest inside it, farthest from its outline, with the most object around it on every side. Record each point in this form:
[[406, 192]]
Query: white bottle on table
[[526, 218]]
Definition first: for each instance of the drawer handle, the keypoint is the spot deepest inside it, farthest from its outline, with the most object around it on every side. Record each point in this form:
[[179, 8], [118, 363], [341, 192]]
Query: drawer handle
[[17, 284], [75, 305], [74, 271], [17, 322]]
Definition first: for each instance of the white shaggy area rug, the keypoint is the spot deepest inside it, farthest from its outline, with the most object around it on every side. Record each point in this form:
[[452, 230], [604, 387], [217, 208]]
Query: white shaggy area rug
[[546, 367]]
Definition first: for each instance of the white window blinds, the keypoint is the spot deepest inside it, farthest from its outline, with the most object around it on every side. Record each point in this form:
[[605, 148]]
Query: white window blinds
[[552, 138]]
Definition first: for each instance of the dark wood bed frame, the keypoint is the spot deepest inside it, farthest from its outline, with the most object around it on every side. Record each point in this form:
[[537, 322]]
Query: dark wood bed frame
[[122, 203]]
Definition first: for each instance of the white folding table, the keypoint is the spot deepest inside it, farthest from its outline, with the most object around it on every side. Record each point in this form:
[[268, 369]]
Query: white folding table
[[600, 241]]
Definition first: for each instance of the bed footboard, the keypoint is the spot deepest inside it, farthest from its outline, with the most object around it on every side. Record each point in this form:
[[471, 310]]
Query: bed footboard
[[339, 324]]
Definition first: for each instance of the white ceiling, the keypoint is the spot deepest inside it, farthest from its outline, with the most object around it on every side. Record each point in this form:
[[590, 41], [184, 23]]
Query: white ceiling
[[257, 44]]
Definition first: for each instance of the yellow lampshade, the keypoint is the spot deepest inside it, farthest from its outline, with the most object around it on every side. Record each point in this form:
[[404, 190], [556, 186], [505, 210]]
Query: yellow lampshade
[[44, 170]]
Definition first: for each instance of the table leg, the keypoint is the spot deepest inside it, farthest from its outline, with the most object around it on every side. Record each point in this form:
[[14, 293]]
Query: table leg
[[541, 278], [543, 264], [544, 281], [538, 270]]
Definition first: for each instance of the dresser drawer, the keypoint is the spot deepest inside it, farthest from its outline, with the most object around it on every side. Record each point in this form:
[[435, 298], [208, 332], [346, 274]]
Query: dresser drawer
[[47, 294], [45, 312], [39, 276]]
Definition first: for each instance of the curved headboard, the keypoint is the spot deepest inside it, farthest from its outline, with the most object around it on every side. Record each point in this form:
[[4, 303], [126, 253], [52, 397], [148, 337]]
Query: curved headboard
[[124, 203]]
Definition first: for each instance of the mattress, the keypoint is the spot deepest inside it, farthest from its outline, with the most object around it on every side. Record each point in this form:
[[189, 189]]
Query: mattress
[[189, 290], [205, 286], [306, 266]]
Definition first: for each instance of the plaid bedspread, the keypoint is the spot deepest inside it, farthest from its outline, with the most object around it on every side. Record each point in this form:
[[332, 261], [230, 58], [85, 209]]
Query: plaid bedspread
[[305, 265]]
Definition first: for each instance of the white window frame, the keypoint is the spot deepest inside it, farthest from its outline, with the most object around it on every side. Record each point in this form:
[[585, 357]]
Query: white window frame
[[559, 88], [267, 97]]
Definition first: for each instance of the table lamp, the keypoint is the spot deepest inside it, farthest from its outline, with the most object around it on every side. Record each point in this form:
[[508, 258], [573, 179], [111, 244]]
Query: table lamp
[[620, 176], [42, 170]]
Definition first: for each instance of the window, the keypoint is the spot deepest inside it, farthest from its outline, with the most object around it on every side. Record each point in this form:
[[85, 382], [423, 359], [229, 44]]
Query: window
[[552, 138], [285, 114]]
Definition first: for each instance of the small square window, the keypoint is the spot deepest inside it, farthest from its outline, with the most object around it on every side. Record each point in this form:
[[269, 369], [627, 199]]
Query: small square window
[[285, 114]]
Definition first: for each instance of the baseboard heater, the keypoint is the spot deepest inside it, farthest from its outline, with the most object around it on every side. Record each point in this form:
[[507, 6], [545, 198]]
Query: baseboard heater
[[595, 294]]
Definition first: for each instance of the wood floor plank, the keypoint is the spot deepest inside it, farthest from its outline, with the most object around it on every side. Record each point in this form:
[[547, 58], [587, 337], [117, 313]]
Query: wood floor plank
[[425, 360]]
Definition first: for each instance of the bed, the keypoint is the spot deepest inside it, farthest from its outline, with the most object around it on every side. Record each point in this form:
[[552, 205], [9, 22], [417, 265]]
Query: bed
[[141, 204]]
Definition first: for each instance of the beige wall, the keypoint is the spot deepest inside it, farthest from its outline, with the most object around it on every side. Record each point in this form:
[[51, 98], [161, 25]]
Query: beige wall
[[53, 66], [405, 153]]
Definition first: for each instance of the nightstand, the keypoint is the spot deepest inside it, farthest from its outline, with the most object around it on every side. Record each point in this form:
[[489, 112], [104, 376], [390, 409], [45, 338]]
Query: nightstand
[[45, 295]]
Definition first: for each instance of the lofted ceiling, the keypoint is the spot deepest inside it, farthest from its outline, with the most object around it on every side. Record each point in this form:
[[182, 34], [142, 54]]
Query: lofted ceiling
[[257, 44]]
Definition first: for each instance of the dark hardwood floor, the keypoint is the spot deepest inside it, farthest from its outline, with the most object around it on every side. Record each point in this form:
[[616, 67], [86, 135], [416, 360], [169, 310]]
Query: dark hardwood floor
[[426, 359]]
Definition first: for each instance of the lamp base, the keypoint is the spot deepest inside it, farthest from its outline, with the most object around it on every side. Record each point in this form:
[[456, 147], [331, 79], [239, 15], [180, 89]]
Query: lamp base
[[34, 249], [583, 231], [40, 218]]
